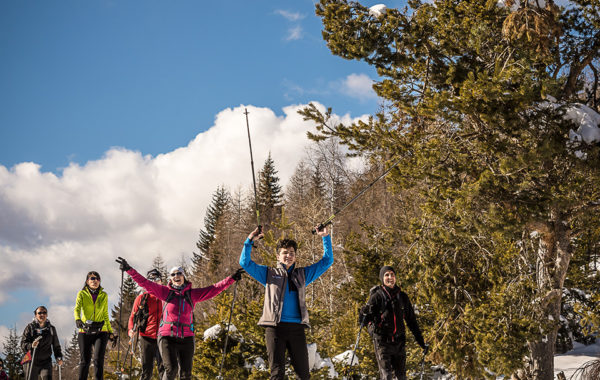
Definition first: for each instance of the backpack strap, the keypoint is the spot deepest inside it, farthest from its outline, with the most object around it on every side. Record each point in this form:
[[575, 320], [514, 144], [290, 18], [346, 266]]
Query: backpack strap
[[187, 296]]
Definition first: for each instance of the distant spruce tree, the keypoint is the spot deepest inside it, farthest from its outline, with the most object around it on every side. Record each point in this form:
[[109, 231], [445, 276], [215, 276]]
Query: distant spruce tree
[[11, 349], [71, 358], [502, 188], [214, 214], [270, 195], [159, 263]]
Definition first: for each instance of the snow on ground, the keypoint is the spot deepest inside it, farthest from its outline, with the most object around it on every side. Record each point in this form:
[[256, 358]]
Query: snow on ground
[[577, 357]]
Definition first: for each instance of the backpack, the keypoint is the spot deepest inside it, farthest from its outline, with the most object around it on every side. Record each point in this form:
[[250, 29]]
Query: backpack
[[140, 318], [187, 296]]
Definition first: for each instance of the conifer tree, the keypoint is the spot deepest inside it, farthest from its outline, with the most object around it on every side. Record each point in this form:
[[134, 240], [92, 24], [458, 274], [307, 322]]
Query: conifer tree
[[214, 215], [501, 184], [11, 349], [159, 263], [269, 190], [71, 358]]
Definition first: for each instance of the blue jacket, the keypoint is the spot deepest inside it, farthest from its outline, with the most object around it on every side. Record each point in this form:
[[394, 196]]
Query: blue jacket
[[281, 303]]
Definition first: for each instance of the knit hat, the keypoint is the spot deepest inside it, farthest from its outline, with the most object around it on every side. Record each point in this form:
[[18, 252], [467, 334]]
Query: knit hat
[[383, 270], [153, 275], [177, 269]]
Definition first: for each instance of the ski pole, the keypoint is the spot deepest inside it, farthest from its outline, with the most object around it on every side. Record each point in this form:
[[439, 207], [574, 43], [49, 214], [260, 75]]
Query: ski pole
[[253, 176], [330, 219], [59, 372], [119, 372], [227, 331]]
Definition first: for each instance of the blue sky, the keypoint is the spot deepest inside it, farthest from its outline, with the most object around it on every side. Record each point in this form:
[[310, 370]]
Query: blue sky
[[79, 77], [118, 119]]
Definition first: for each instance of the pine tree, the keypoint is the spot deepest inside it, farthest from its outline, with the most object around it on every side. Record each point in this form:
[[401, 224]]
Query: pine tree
[[11, 349], [71, 358], [159, 264], [269, 192], [499, 185], [214, 215]]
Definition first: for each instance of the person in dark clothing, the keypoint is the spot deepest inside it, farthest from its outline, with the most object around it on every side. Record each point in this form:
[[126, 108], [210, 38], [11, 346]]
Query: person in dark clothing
[[41, 336], [148, 310], [384, 315], [3, 375]]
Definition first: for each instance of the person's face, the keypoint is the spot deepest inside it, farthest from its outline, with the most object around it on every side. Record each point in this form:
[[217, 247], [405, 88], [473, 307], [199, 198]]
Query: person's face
[[41, 315], [287, 256], [389, 279], [93, 281], [177, 278]]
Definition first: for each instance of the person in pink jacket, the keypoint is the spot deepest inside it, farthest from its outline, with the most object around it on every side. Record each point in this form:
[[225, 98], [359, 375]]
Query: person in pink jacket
[[176, 329]]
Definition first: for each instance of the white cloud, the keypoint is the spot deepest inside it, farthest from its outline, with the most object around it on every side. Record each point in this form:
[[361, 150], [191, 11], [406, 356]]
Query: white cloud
[[56, 228], [294, 33], [290, 16], [358, 86]]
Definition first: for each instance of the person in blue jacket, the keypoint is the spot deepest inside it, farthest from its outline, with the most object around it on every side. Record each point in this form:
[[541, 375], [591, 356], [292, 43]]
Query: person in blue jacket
[[285, 315]]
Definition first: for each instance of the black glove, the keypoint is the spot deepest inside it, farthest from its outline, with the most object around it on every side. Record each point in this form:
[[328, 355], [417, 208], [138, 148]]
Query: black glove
[[238, 274], [79, 324], [365, 315], [113, 338], [123, 264]]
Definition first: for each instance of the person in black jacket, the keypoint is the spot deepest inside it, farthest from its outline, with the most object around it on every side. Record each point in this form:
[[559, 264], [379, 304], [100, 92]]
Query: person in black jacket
[[384, 315], [41, 336]]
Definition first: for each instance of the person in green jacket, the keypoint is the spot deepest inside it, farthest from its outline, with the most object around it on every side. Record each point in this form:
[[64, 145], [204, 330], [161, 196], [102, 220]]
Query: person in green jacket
[[91, 318]]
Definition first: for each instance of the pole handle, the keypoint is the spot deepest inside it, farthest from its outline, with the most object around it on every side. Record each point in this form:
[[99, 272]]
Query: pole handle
[[321, 226]]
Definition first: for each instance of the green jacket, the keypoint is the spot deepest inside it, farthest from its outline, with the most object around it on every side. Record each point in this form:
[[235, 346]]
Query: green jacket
[[88, 310]]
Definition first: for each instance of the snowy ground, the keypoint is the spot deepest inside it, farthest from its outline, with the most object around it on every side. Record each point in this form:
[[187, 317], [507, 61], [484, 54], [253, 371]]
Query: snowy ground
[[575, 358]]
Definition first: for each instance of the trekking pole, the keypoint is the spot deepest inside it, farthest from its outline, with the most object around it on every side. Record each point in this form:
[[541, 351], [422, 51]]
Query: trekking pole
[[32, 358], [227, 332], [118, 371], [330, 219], [59, 372], [253, 176], [423, 364], [362, 324]]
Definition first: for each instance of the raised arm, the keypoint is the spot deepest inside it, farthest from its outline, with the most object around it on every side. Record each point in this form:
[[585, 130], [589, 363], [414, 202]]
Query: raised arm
[[203, 294], [159, 291], [314, 271], [257, 271]]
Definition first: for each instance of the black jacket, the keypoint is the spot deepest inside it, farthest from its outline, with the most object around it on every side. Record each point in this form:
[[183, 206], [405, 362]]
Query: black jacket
[[389, 309], [48, 344]]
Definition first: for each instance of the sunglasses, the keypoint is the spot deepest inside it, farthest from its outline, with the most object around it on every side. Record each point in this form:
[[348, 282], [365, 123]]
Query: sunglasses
[[94, 278], [176, 274], [42, 313]]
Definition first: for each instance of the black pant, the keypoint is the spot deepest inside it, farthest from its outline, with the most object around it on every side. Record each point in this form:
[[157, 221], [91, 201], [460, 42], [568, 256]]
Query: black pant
[[391, 358], [43, 371], [288, 336], [86, 342], [149, 352], [174, 351]]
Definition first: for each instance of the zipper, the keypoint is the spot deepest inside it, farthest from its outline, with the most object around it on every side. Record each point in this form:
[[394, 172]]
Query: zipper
[[182, 308]]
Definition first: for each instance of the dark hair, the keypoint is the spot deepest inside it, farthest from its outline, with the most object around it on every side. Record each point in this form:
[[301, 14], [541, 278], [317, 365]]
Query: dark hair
[[90, 273], [39, 307], [287, 243]]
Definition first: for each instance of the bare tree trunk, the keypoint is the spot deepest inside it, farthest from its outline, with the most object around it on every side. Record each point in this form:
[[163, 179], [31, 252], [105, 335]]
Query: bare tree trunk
[[554, 254]]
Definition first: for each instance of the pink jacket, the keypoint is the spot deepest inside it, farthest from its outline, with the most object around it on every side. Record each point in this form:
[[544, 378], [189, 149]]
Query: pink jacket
[[177, 319]]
